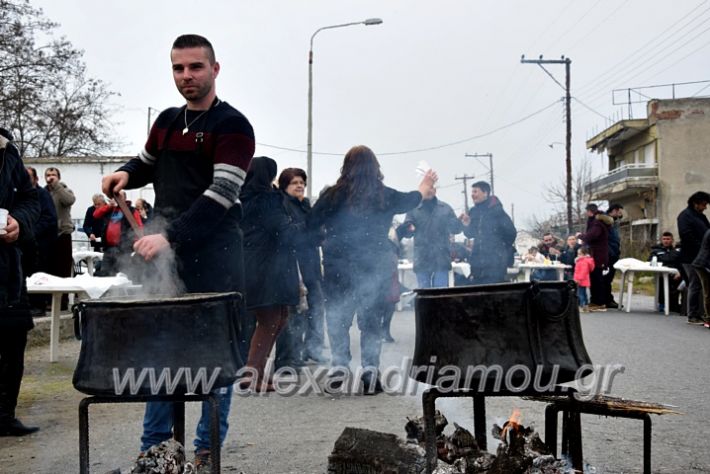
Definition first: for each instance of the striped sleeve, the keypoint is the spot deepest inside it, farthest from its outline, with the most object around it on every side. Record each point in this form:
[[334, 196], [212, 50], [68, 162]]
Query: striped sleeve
[[233, 153], [227, 181]]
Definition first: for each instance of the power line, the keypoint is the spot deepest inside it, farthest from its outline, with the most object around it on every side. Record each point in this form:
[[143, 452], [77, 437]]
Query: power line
[[589, 108], [634, 55], [621, 5], [419, 150], [631, 67]]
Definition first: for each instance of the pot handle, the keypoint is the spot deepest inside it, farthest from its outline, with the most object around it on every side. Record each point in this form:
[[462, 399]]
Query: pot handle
[[536, 299], [77, 312]]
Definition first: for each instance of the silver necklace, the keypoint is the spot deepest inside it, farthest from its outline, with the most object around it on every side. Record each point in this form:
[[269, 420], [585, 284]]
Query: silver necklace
[[187, 125]]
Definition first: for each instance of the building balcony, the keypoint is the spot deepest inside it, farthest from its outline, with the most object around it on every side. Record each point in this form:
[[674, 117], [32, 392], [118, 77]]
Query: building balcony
[[623, 181]]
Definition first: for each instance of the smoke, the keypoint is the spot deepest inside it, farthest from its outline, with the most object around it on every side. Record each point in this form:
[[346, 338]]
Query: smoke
[[159, 276]]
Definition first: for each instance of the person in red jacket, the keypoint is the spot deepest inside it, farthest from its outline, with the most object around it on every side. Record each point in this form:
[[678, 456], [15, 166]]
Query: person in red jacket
[[118, 235], [583, 268]]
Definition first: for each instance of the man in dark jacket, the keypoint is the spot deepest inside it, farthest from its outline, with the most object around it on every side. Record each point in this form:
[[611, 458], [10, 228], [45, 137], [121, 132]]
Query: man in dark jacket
[[616, 212], [669, 255], [431, 223], [36, 251], [596, 238], [692, 225], [19, 198], [493, 233]]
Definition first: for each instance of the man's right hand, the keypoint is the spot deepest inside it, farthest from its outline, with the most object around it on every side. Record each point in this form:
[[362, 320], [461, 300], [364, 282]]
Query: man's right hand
[[465, 219], [113, 183]]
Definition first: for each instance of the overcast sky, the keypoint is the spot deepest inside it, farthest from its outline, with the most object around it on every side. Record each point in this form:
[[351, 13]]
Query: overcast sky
[[432, 74]]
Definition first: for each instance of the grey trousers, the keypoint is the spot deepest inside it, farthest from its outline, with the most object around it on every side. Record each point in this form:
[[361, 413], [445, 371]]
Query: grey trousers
[[695, 293]]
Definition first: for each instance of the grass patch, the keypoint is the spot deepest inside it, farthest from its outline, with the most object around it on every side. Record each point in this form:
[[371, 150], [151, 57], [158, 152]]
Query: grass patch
[[643, 284]]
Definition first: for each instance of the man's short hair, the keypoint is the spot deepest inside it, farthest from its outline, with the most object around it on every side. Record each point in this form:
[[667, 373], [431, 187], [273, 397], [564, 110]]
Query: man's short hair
[[32, 172], [483, 186], [615, 207], [592, 207], [667, 234], [195, 41], [699, 198], [52, 168]]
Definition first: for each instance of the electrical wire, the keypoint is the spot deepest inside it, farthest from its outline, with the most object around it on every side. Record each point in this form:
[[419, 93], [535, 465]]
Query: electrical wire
[[630, 68], [635, 54], [419, 150], [603, 21]]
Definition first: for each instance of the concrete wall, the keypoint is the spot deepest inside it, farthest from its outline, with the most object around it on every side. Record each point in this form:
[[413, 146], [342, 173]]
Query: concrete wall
[[683, 127]]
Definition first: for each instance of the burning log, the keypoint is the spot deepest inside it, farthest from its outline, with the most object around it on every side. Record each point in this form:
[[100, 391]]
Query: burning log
[[361, 451]]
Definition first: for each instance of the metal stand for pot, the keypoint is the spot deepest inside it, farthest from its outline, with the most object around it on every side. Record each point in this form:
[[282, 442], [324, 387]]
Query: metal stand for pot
[[178, 422], [572, 439]]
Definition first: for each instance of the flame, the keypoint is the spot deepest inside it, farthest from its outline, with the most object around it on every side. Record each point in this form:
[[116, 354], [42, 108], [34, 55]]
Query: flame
[[513, 423]]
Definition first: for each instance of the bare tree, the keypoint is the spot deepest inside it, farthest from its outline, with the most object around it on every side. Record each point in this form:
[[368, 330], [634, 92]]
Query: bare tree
[[556, 194], [46, 98]]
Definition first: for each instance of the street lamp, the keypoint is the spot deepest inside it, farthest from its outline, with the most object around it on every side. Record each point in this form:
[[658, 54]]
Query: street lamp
[[309, 154]]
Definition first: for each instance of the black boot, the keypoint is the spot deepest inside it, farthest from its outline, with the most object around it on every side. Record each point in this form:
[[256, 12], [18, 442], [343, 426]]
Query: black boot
[[14, 427], [371, 384]]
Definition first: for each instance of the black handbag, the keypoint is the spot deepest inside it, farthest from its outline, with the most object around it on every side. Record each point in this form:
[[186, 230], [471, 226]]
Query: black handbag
[[161, 346], [511, 337]]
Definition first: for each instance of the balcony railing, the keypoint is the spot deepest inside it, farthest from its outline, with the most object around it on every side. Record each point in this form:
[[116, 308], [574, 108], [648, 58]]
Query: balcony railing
[[631, 171]]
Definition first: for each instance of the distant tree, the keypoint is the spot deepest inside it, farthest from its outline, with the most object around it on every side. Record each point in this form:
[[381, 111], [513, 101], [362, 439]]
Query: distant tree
[[46, 98], [556, 194]]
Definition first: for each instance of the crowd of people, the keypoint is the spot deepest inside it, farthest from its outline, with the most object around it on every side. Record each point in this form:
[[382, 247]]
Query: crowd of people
[[235, 223]]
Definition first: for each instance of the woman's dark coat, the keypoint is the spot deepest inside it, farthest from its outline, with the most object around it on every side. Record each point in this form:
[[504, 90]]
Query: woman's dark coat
[[597, 238], [306, 243], [270, 234]]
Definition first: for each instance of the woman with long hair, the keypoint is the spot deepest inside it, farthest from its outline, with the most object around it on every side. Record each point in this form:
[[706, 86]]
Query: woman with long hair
[[269, 263], [356, 214]]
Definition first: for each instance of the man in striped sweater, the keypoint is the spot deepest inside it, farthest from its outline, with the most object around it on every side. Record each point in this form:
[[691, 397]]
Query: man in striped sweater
[[196, 157]]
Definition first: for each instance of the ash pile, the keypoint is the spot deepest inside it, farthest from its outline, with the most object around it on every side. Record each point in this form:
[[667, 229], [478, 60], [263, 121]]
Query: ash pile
[[521, 451], [167, 457]]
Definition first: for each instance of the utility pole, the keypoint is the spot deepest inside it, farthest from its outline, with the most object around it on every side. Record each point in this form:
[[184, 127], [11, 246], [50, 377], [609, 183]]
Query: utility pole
[[568, 113], [465, 179], [512, 212], [490, 164]]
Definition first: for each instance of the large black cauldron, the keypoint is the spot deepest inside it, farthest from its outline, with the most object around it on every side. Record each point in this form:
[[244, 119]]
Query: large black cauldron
[[190, 341], [511, 326]]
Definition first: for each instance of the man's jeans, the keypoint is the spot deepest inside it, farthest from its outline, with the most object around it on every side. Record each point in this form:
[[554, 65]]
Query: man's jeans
[[438, 279], [158, 421], [582, 296]]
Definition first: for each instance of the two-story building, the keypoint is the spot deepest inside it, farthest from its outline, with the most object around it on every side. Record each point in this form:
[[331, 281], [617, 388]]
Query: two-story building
[[655, 164]]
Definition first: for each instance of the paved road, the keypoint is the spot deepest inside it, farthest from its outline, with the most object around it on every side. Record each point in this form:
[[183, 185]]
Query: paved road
[[665, 359]]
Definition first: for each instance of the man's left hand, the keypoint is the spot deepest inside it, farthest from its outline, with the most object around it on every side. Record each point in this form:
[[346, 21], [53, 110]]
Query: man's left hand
[[12, 231], [151, 245]]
